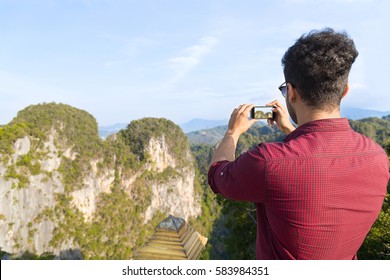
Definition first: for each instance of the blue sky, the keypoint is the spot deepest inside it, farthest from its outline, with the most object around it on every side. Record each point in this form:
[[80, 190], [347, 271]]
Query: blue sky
[[177, 59]]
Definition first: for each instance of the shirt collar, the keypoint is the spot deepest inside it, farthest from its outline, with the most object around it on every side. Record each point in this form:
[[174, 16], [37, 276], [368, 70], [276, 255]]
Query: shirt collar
[[335, 124]]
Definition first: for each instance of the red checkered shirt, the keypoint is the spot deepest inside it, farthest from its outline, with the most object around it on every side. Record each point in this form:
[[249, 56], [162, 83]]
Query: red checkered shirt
[[317, 193]]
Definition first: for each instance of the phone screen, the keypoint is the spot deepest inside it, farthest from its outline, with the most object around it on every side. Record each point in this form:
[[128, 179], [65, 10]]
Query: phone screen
[[262, 112]]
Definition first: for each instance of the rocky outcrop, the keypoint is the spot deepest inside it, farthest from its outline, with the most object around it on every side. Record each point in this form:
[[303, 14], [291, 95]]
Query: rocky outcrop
[[19, 207], [175, 197], [30, 212], [94, 183]]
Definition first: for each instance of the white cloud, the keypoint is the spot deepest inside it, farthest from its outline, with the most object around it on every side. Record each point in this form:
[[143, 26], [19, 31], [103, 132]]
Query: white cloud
[[183, 64], [191, 57]]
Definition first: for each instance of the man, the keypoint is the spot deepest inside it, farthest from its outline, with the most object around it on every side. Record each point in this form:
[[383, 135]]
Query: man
[[318, 193]]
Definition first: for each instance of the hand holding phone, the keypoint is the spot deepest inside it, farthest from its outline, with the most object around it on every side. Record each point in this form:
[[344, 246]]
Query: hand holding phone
[[262, 112], [281, 117]]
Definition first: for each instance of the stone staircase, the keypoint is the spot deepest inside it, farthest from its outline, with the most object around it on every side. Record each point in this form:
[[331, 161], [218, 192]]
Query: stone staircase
[[173, 239]]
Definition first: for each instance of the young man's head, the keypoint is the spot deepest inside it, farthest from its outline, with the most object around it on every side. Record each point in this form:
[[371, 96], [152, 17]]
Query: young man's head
[[317, 66]]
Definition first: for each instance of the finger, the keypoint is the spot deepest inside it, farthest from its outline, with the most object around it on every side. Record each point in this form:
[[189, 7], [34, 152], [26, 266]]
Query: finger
[[240, 107], [275, 103], [245, 108], [279, 112], [278, 107], [272, 103], [248, 107]]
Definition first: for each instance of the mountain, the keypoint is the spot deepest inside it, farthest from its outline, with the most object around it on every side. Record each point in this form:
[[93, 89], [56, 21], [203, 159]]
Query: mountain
[[199, 124], [105, 131], [212, 136], [193, 125], [207, 136], [350, 113], [376, 128], [203, 124], [65, 191], [357, 114]]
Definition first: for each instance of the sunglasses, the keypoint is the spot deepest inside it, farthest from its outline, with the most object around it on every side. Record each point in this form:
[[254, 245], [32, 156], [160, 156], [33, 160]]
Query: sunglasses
[[283, 89]]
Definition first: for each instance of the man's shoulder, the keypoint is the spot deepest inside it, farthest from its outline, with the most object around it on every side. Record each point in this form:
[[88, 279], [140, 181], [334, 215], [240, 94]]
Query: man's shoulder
[[274, 150], [367, 143], [320, 145]]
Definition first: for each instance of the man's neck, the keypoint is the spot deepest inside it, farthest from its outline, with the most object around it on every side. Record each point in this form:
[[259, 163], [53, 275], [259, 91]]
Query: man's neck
[[309, 115]]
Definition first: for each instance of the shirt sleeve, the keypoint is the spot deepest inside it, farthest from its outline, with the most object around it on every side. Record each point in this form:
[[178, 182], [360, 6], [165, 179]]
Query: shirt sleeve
[[242, 179]]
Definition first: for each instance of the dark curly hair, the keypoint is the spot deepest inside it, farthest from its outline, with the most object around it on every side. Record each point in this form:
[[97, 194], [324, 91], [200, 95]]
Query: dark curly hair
[[318, 65]]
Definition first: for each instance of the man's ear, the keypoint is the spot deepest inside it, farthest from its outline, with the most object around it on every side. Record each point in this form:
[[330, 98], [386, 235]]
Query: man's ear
[[346, 90], [293, 94]]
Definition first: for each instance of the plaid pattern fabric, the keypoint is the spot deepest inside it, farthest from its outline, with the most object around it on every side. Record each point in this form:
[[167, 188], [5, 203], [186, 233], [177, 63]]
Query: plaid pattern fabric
[[317, 194]]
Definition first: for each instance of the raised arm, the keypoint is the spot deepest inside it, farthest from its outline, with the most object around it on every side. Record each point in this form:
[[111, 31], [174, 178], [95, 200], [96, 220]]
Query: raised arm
[[238, 124]]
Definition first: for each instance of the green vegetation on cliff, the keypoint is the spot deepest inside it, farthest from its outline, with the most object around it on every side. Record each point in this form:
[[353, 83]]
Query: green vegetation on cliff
[[9, 134], [116, 229], [70, 127], [205, 224], [115, 232], [75, 127], [139, 132]]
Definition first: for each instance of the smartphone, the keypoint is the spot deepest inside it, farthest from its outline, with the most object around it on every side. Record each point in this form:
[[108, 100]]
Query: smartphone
[[262, 112]]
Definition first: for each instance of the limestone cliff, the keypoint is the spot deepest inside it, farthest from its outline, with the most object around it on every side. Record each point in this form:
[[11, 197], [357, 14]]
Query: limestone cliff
[[63, 189]]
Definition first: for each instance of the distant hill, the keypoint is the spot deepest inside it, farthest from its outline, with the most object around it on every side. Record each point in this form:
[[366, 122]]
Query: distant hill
[[199, 124], [357, 114], [374, 127], [105, 131], [350, 113], [378, 129], [212, 136], [192, 125], [207, 136]]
